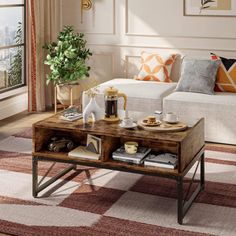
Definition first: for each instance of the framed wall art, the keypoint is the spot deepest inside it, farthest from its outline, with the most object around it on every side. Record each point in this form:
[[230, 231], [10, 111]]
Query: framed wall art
[[210, 8]]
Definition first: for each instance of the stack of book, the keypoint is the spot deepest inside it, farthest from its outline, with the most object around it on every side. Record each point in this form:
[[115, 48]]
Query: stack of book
[[166, 160], [121, 155]]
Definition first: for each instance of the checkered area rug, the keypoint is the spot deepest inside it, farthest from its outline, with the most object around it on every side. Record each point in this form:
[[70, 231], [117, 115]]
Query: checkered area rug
[[103, 202]]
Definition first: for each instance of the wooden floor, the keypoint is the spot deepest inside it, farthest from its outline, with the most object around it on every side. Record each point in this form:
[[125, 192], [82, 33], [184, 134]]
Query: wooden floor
[[19, 122]]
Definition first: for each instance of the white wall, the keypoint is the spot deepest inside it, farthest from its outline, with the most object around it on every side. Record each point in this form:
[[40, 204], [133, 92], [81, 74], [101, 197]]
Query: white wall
[[13, 105], [119, 30]]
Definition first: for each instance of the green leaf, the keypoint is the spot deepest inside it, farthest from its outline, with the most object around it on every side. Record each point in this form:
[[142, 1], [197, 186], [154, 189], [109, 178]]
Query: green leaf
[[67, 57]]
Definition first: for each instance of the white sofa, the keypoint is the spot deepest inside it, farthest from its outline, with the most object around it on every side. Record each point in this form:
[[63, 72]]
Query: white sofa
[[144, 97], [219, 111]]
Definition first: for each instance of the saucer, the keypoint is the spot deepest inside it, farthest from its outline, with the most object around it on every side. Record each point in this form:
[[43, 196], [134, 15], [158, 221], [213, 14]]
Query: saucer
[[128, 127], [171, 122]]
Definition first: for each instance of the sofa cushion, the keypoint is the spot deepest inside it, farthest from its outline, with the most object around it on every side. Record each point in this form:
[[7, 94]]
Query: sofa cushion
[[218, 111], [156, 67], [221, 99], [198, 76], [142, 95], [226, 75]]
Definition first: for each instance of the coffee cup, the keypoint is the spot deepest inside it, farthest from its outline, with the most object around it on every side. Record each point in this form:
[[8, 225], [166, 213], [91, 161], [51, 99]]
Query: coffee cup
[[171, 117], [127, 121], [151, 119], [131, 147]]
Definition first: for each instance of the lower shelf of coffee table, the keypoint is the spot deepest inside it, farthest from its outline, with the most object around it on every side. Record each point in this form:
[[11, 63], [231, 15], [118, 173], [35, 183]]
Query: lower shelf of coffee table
[[109, 164]]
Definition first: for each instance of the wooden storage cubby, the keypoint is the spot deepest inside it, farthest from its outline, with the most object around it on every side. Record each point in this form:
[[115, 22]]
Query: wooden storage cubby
[[163, 146], [110, 144], [43, 137]]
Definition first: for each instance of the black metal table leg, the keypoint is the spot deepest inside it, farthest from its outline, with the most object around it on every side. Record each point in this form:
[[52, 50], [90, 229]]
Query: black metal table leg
[[35, 176], [37, 187], [202, 170], [184, 203], [180, 200]]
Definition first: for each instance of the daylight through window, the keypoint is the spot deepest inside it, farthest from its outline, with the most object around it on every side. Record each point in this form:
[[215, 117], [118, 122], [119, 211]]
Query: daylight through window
[[12, 44]]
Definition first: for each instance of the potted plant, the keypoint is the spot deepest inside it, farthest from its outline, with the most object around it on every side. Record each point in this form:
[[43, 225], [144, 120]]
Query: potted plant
[[67, 60]]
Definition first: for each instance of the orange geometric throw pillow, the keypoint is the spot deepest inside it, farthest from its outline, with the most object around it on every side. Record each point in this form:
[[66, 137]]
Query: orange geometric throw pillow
[[226, 75], [156, 67]]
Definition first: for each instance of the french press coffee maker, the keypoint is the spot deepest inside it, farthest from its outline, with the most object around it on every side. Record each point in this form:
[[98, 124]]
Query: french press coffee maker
[[111, 104]]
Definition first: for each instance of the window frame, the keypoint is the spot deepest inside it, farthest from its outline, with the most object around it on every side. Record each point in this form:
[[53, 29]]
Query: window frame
[[23, 84]]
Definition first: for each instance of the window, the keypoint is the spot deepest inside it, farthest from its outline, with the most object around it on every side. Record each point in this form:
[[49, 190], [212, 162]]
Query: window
[[12, 44]]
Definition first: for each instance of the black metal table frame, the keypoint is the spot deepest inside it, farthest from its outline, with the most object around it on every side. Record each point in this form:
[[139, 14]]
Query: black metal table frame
[[184, 202]]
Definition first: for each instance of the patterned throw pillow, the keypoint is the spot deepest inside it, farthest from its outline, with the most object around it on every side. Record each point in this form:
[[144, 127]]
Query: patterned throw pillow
[[226, 76], [156, 67]]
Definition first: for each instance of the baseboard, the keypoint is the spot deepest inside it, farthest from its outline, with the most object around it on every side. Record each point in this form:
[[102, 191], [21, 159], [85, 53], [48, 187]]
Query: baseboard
[[13, 105]]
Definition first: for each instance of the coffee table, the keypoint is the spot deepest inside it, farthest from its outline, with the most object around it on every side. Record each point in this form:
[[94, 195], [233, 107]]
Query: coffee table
[[188, 145]]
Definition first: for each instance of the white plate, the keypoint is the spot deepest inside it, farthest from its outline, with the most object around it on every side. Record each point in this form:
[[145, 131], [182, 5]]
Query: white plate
[[171, 122], [128, 127]]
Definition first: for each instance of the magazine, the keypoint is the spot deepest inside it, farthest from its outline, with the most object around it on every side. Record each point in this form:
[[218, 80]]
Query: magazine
[[166, 160], [71, 114]]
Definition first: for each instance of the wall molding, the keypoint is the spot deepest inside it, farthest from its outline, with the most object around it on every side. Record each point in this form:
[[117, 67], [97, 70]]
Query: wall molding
[[127, 64], [113, 31], [108, 69], [127, 33], [108, 54], [176, 36], [160, 47]]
